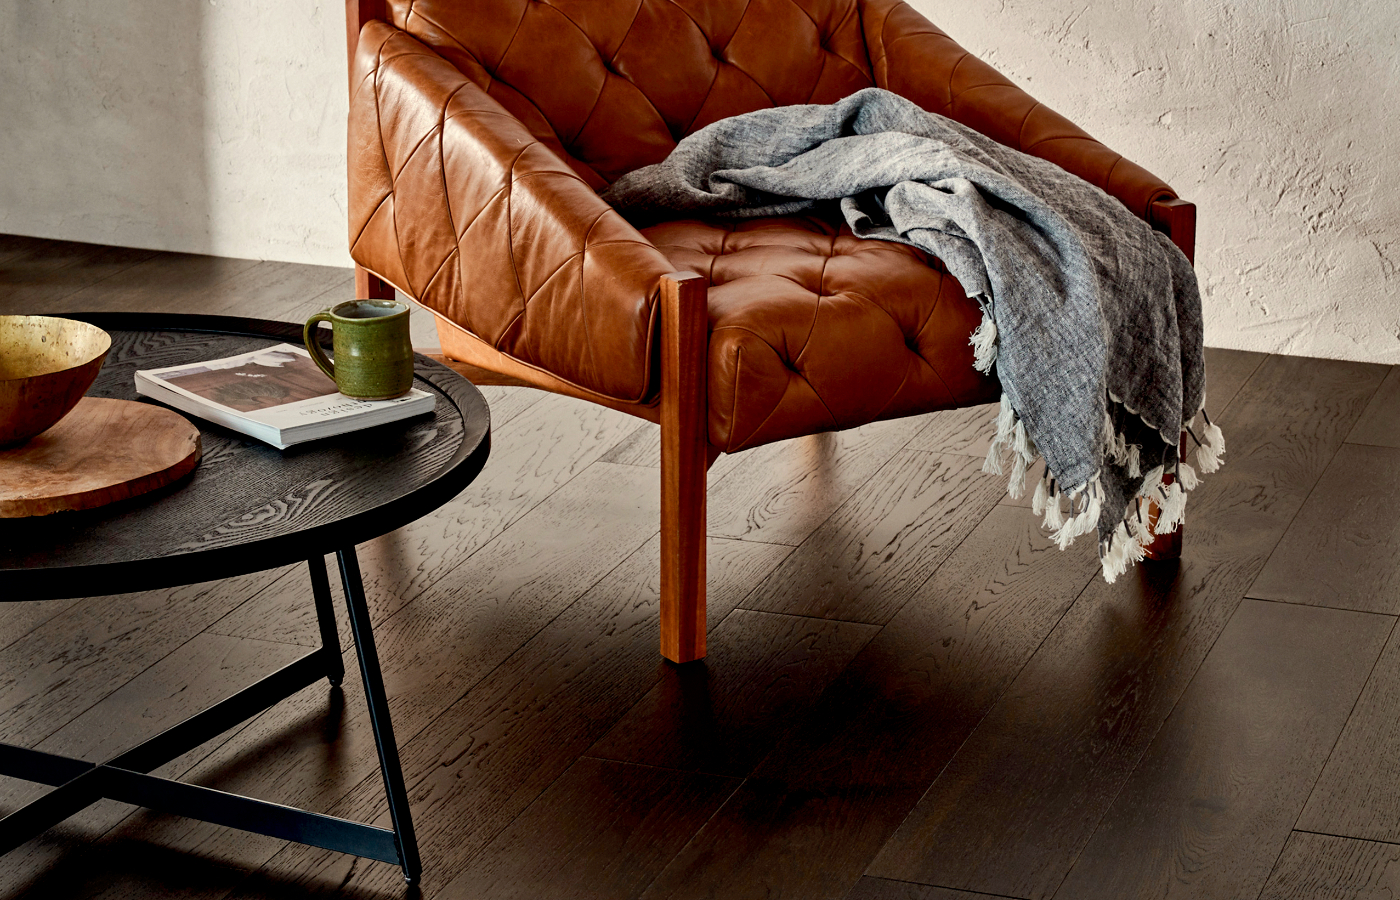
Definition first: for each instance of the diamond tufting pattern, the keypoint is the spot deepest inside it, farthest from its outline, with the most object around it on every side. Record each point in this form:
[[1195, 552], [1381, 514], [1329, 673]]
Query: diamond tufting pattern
[[813, 329], [481, 130]]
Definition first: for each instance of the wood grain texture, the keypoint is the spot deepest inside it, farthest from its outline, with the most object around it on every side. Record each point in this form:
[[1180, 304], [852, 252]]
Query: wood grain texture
[[102, 452], [1325, 867], [884, 889], [436, 649], [781, 493], [1211, 804], [966, 432], [1358, 794], [643, 448], [603, 830], [723, 717], [1341, 550], [685, 462], [866, 561], [819, 807], [18, 619], [1380, 425], [1023, 796], [85, 653], [1226, 372]]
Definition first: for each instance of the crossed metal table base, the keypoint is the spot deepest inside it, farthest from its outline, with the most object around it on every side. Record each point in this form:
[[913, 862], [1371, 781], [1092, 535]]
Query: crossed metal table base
[[125, 778]]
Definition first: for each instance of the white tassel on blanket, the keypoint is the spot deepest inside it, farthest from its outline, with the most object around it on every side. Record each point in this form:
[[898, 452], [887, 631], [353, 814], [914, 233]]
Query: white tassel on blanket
[[1173, 511], [984, 344], [1211, 447], [1123, 550]]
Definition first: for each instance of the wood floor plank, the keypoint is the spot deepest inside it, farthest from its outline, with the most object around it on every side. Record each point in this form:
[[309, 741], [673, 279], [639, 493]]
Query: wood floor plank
[[532, 456], [724, 715], [77, 658], [965, 432], [506, 403], [18, 618], [780, 493], [1226, 372], [166, 282], [278, 290], [820, 806], [489, 755], [1358, 794], [35, 274], [884, 889], [1022, 797], [643, 448], [602, 832], [1210, 806], [205, 670], [866, 561], [1380, 423], [1341, 550], [437, 648], [1324, 867]]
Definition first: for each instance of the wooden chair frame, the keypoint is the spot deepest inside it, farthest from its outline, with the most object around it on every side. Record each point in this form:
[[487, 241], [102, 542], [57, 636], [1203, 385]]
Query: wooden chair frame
[[681, 408]]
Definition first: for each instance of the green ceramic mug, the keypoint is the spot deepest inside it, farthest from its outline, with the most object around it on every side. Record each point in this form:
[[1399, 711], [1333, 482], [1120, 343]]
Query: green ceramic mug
[[373, 352]]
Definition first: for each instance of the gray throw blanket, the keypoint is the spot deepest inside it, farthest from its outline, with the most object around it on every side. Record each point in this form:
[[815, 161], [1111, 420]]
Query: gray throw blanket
[[1092, 318]]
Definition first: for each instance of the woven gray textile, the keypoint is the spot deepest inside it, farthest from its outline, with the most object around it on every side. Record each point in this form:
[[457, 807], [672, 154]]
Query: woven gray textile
[[1091, 318]]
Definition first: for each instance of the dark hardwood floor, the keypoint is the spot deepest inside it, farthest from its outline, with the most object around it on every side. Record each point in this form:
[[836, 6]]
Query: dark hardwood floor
[[911, 694]]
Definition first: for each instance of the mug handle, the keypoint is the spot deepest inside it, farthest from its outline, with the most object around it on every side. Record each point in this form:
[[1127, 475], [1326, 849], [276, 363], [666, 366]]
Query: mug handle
[[314, 347]]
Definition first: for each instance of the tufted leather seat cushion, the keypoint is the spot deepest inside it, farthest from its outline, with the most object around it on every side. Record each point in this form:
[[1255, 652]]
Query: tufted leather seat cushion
[[814, 329]]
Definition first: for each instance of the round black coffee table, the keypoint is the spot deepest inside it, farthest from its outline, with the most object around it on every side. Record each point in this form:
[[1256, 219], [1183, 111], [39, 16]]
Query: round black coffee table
[[247, 507]]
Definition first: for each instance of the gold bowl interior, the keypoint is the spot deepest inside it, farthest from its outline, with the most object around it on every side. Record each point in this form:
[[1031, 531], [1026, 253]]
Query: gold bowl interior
[[46, 365], [31, 346]]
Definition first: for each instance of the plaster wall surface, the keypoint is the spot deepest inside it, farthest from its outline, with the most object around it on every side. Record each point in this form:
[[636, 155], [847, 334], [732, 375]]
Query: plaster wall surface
[[1280, 119], [217, 126], [207, 126]]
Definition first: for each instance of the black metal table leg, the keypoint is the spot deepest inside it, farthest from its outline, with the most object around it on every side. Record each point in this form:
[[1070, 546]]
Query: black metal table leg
[[325, 617], [379, 714]]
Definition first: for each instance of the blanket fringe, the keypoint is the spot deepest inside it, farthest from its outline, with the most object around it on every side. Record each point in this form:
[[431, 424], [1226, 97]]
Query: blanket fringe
[[1068, 513], [1121, 550], [984, 343]]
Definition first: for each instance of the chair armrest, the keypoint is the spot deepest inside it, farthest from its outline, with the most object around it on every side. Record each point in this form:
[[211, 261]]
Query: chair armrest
[[911, 57], [455, 203]]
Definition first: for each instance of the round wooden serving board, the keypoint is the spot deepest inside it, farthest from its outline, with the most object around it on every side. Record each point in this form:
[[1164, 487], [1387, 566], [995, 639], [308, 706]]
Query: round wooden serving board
[[101, 452]]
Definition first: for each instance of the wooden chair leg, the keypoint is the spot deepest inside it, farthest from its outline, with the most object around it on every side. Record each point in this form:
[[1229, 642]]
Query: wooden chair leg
[[685, 460], [369, 286]]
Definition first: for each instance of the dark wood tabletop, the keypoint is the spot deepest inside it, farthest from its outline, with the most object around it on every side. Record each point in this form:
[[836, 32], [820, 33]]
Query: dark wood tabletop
[[247, 506]]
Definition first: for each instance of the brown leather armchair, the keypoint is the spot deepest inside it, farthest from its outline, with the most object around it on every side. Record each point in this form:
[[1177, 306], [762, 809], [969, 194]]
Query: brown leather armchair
[[481, 132]]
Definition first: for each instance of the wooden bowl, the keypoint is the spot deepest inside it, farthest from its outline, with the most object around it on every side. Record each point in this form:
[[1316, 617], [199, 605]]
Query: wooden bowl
[[46, 365]]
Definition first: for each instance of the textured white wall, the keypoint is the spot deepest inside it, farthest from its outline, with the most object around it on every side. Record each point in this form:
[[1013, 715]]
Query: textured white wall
[[209, 126], [217, 126], [1280, 119]]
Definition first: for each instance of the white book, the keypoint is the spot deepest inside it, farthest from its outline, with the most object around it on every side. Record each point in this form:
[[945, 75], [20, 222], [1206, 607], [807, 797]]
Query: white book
[[276, 395]]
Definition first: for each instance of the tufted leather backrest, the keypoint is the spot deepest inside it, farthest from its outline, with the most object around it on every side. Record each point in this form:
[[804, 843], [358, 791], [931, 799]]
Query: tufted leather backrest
[[611, 85]]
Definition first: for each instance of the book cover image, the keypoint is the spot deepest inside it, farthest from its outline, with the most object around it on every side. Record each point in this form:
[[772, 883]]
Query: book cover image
[[256, 381]]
